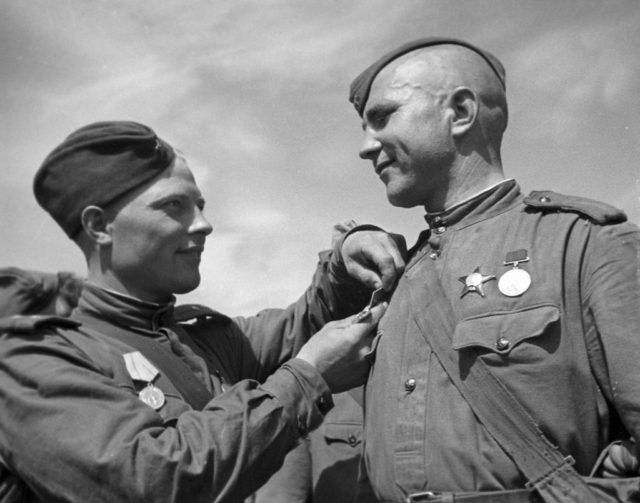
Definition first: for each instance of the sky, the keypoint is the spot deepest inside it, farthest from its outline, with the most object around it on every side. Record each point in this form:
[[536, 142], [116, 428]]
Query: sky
[[255, 93]]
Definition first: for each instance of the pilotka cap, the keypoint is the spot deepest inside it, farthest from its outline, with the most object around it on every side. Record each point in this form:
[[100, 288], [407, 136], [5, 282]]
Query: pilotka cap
[[361, 86], [95, 165]]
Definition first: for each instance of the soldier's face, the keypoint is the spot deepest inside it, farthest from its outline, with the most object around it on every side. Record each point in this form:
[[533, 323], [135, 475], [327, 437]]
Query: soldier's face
[[158, 235], [407, 136]]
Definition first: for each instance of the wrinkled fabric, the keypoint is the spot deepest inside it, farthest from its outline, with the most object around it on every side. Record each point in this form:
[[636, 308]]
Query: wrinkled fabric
[[72, 427], [581, 312]]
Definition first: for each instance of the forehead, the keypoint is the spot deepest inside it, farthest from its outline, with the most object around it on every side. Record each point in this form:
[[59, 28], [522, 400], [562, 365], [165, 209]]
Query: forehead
[[177, 179], [399, 81]]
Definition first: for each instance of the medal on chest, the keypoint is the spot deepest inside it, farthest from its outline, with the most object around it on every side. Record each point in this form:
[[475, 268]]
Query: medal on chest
[[474, 282], [141, 369], [515, 281], [152, 396]]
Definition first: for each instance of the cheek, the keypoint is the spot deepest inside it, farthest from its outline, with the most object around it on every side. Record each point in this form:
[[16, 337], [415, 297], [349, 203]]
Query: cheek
[[134, 245]]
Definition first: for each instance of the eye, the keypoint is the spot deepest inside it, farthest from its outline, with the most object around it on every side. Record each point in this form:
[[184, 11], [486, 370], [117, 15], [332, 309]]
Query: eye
[[378, 118], [173, 204]]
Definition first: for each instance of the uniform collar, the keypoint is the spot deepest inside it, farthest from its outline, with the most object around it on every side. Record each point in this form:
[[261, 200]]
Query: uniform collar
[[122, 310], [489, 202]]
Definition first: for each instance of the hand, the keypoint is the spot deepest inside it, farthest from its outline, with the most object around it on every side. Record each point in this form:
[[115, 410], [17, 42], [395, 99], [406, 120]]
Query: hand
[[621, 461], [375, 258], [339, 350]]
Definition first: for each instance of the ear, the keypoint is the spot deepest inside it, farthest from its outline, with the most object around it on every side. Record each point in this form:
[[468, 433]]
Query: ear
[[463, 104], [95, 225]]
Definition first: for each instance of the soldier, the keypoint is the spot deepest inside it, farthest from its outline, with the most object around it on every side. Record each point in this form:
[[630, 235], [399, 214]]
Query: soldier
[[130, 399], [531, 299]]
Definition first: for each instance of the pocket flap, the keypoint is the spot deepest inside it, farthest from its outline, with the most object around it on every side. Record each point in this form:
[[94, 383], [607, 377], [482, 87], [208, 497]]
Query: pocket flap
[[501, 332], [343, 432]]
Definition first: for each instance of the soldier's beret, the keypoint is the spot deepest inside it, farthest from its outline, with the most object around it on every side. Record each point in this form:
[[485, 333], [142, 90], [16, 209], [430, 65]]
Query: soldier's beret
[[96, 165], [25, 292], [360, 87]]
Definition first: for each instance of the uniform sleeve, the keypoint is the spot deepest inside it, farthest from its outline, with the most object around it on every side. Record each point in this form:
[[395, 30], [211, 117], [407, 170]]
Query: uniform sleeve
[[73, 433], [275, 335], [611, 279]]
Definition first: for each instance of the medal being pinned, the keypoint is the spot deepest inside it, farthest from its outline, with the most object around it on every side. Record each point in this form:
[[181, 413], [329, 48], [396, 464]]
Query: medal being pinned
[[515, 281]]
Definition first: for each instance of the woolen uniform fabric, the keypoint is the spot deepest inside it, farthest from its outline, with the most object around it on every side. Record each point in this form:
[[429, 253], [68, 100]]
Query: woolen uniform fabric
[[74, 429], [96, 165], [566, 348]]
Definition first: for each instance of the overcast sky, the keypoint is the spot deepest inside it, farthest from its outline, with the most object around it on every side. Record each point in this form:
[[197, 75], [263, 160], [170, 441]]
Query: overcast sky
[[254, 92]]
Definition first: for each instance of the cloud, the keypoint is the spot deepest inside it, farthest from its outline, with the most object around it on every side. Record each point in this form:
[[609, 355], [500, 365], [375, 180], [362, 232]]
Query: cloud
[[254, 93], [576, 72]]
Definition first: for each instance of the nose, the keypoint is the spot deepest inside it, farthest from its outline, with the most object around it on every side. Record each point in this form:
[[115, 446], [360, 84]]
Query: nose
[[201, 224], [370, 147]]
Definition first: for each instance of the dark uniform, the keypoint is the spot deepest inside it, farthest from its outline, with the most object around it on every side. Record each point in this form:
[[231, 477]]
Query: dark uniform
[[74, 429], [566, 345]]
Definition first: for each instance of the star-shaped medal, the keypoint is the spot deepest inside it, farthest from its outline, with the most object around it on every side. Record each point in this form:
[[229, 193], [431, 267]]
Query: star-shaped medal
[[473, 282]]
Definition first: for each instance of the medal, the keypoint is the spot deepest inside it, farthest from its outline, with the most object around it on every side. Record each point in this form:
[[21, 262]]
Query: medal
[[474, 282], [152, 396], [141, 369], [515, 281]]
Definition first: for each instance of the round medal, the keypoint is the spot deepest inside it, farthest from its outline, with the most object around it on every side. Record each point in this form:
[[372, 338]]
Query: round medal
[[514, 282], [152, 396]]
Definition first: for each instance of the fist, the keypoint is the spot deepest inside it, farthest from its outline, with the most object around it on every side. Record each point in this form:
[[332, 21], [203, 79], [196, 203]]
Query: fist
[[375, 258]]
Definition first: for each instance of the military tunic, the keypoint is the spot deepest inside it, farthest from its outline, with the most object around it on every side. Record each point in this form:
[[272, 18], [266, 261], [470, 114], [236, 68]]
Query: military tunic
[[72, 427], [566, 346]]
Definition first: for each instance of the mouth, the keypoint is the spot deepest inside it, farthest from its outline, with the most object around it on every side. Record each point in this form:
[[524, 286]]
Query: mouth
[[192, 250], [381, 166]]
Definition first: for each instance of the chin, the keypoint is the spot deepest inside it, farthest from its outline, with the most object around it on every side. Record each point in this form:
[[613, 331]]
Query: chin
[[187, 286], [401, 202]]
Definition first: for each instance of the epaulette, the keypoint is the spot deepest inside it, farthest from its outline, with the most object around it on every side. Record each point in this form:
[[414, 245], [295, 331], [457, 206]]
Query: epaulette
[[34, 323], [599, 212], [197, 313]]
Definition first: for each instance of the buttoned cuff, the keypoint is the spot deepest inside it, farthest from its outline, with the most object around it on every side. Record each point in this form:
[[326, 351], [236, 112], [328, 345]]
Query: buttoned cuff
[[303, 392]]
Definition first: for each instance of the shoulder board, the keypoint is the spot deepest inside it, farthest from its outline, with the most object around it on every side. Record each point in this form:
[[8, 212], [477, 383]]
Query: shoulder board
[[597, 211], [34, 323], [197, 313]]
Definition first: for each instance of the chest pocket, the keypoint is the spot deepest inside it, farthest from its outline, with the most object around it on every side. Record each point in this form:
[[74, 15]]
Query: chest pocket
[[502, 333]]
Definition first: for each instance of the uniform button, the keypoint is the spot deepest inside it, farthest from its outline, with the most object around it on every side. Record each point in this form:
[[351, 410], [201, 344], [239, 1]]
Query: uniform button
[[437, 220], [440, 230], [352, 440], [433, 255], [410, 384], [502, 343], [544, 199]]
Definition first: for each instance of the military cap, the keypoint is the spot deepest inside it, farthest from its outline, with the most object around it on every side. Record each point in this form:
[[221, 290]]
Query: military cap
[[25, 292], [96, 165], [361, 86]]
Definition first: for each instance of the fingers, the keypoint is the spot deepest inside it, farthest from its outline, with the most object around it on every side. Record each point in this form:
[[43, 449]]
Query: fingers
[[368, 317], [366, 275], [375, 258], [377, 312], [390, 267]]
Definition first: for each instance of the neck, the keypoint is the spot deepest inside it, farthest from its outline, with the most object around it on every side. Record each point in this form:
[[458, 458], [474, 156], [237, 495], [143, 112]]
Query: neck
[[466, 180], [108, 281]]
